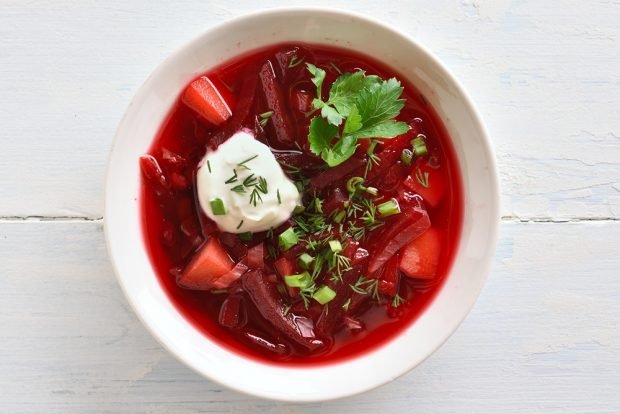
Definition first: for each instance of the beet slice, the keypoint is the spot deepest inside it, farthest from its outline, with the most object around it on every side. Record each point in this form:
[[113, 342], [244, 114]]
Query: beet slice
[[333, 175], [280, 121], [401, 230], [232, 312], [242, 109], [332, 312], [260, 340], [270, 305]]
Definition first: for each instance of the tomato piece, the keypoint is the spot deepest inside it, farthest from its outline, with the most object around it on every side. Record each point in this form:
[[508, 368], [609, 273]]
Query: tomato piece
[[428, 182], [420, 258], [208, 101], [206, 267]]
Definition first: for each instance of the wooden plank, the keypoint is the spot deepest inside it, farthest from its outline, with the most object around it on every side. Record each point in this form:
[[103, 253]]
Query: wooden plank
[[545, 78], [543, 338]]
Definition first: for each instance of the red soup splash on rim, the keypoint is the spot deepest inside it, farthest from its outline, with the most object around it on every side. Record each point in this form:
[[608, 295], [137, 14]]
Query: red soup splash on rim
[[377, 226]]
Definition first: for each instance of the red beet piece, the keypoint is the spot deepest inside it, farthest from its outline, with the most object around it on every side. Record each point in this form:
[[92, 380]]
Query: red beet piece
[[280, 120], [256, 257], [334, 200], [270, 305], [260, 340], [399, 231], [336, 174], [239, 118], [231, 277], [332, 312], [232, 312], [155, 177], [388, 283]]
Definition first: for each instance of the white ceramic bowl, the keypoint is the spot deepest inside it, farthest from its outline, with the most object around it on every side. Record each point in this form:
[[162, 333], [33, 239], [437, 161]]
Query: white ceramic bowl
[[481, 199]]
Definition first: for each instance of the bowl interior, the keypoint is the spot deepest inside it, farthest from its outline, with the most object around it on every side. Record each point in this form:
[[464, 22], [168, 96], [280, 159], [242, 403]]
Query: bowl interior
[[123, 223]]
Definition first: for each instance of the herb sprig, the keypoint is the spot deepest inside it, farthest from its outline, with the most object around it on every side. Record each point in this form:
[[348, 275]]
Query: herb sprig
[[359, 106]]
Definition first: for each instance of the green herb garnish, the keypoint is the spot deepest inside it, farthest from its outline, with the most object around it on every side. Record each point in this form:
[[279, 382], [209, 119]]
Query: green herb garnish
[[288, 239], [389, 208], [324, 294], [363, 105], [217, 207], [419, 145], [422, 178]]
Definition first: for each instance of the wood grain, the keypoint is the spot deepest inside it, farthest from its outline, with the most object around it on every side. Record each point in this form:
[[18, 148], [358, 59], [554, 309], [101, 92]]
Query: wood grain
[[543, 338], [544, 75]]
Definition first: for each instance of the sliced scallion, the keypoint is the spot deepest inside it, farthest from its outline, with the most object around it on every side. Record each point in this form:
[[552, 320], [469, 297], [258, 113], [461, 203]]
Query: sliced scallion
[[389, 208], [288, 239], [324, 295], [217, 207], [406, 156], [301, 280], [419, 145], [305, 260], [335, 246]]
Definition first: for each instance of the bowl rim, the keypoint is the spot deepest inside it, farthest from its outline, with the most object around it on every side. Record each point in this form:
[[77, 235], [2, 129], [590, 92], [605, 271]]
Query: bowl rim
[[487, 148]]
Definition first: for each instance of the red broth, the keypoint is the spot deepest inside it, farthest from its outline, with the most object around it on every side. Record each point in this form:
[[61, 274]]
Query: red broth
[[175, 230]]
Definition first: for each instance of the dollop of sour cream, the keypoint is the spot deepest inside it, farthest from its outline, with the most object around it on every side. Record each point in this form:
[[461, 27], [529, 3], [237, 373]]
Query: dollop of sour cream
[[242, 187]]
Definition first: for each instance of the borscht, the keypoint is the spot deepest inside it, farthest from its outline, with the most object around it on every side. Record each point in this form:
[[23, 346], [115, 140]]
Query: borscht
[[301, 204]]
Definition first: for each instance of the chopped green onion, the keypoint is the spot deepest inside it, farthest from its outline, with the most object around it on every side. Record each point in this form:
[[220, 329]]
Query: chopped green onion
[[406, 156], [335, 246], [247, 236], [299, 209], [240, 224], [305, 260], [323, 295], [288, 239], [301, 280], [217, 207], [419, 146], [340, 216], [372, 191], [389, 208], [279, 198], [209, 165], [354, 183]]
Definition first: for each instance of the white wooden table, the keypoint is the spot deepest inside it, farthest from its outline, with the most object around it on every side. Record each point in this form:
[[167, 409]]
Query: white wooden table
[[545, 334]]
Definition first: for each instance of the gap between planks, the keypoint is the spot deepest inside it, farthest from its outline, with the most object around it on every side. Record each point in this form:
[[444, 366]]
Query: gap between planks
[[508, 219]]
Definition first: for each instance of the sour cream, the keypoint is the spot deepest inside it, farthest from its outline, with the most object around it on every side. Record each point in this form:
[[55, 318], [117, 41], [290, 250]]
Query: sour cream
[[255, 193]]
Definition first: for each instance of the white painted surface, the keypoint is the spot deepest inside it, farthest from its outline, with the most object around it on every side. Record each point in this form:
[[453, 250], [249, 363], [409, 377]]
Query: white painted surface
[[545, 335]]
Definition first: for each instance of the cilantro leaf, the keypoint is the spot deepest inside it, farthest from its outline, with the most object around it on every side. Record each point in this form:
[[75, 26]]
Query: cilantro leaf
[[342, 151], [345, 90], [380, 102], [332, 115], [318, 76], [321, 135], [354, 121], [365, 104], [385, 129]]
